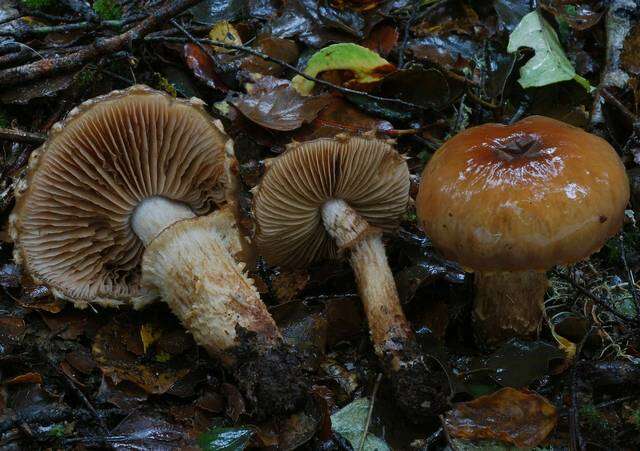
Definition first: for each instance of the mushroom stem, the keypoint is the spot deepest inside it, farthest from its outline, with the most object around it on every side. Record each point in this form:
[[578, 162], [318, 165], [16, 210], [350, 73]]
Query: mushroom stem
[[419, 389], [155, 214], [388, 326], [508, 304], [188, 262]]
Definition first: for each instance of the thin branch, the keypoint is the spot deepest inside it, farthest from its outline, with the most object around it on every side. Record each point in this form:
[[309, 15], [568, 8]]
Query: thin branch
[[601, 302], [13, 135], [77, 26], [100, 47], [365, 431], [266, 57]]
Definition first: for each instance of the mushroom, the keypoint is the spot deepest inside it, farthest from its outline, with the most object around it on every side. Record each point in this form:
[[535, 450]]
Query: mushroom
[[326, 197], [511, 201], [118, 207]]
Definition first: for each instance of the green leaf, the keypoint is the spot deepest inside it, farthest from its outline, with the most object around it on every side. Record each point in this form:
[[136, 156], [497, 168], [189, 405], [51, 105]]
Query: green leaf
[[366, 65], [350, 422], [225, 439], [550, 64]]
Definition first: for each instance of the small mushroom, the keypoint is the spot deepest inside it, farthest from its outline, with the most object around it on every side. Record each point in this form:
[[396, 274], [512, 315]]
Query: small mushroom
[[511, 201], [326, 197], [132, 198]]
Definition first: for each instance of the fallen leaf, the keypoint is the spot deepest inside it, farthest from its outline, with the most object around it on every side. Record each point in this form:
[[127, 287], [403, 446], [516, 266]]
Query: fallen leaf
[[282, 49], [226, 439], [235, 403], [289, 284], [339, 117], [518, 363], [274, 104], [138, 431], [549, 64], [27, 378], [149, 334], [518, 417], [202, 66], [350, 422], [580, 17], [81, 360], [382, 39], [451, 51], [424, 87], [366, 66], [116, 352], [297, 430], [224, 31]]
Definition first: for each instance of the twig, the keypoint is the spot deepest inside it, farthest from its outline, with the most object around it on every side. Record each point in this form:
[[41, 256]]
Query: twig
[[291, 68], [76, 26], [632, 118], [577, 442], [630, 276], [602, 303], [100, 47], [193, 39], [13, 135], [365, 431]]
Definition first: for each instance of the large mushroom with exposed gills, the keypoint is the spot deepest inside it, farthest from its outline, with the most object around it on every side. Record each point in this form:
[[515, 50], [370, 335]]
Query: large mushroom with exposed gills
[[329, 198], [509, 202], [131, 199]]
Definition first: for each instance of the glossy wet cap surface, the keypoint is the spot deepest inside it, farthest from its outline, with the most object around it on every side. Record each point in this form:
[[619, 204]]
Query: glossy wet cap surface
[[524, 196]]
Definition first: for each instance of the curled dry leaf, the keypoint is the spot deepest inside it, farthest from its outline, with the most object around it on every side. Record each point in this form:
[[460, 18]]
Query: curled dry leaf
[[224, 31], [518, 417], [274, 104], [282, 49], [202, 66]]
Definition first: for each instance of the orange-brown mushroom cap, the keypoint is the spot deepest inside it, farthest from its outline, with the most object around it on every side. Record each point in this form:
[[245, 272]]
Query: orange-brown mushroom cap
[[365, 172], [525, 196], [72, 221]]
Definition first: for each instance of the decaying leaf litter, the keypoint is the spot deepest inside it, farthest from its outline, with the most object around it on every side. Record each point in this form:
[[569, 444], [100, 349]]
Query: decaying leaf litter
[[276, 73]]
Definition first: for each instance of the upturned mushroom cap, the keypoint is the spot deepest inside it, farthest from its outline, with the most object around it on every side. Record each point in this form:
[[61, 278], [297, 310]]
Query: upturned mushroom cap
[[72, 221], [525, 196], [365, 172]]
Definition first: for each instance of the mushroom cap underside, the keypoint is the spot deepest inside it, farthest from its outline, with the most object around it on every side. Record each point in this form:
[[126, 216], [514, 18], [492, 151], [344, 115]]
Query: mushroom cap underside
[[365, 172], [72, 221], [526, 196]]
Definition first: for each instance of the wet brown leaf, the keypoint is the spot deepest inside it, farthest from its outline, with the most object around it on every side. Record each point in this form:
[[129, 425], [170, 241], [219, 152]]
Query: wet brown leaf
[[274, 104], [289, 284], [340, 117], [518, 417], [141, 432], [81, 360], [282, 49], [578, 16], [125, 396], [27, 378], [11, 331], [68, 325], [38, 297], [235, 403], [382, 39], [120, 357], [630, 57], [211, 401], [202, 66]]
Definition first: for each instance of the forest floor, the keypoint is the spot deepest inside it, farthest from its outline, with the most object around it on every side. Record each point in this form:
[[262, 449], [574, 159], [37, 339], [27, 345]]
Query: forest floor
[[126, 379]]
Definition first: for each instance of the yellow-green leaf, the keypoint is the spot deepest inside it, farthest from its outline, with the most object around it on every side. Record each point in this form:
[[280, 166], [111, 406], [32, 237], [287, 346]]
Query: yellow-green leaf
[[366, 65]]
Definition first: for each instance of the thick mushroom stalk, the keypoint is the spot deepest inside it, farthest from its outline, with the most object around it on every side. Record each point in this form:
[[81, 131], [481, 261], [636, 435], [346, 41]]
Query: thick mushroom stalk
[[331, 197], [132, 199], [508, 304], [188, 263]]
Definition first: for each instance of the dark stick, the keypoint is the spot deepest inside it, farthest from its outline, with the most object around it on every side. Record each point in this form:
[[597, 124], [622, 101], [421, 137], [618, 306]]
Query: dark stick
[[577, 442], [13, 135], [100, 47], [266, 57], [630, 277], [77, 26], [602, 303]]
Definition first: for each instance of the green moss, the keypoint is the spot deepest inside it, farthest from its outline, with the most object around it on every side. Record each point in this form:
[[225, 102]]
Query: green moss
[[596, 422], [634, 419], [39, 4], [4, 120], [165, 85], [57, 430], [107, 9]]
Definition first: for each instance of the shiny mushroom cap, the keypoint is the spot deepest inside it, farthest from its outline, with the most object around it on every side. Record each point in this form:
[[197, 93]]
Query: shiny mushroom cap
[[525, 196], [72, 221], [365, 172]]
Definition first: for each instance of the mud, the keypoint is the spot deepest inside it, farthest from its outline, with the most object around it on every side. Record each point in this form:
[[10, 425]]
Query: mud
[[274, 380], [420, 386]]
